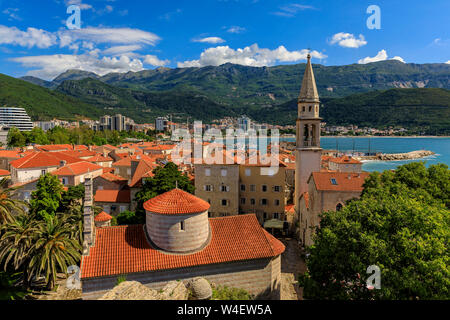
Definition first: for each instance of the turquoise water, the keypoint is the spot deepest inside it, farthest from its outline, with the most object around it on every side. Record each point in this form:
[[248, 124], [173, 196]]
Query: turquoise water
[[440, 146]]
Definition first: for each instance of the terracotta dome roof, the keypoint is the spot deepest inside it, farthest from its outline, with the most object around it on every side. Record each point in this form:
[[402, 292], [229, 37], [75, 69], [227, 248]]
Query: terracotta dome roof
[[176, 201], [102, 217]]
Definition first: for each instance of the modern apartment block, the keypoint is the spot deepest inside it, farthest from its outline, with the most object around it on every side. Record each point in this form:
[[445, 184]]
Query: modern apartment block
[[13, 117], [114, 123]]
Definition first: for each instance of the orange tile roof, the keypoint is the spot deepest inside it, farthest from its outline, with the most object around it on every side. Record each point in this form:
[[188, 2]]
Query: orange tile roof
[[125, 249], [79, 153], [344, 181], [114, 196], [75, 169], [176, 201], [4, 172], [290, 208], [53, 147], [345, 159], [42, 159], [9, 154], [102, 217], [112, 177], [99, 158], [144, 168]]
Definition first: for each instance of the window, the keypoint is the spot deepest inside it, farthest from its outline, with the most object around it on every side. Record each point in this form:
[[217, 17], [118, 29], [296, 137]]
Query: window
[[248, 172], [264, 188], [207, 172], [277, 188], [182, 226], [310, 108], [304, 109], [208, 188], [209, 201], [64, 181], [276, 215], [224, 202], [252, 187], [129, 171], [333, 181], [223, 172], [43, 172], [113, 208], [242, 200], [339, 207], [225, 188], [265, 215], [242, 187], [264, 202], [100, 188], [252, 202], [276, 202]]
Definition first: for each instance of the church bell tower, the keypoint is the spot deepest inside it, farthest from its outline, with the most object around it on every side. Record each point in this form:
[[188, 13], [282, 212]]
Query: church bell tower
[[308, 151]]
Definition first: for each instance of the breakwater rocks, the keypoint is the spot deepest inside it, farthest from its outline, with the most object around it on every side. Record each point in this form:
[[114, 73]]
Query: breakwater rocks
[[405, 156]]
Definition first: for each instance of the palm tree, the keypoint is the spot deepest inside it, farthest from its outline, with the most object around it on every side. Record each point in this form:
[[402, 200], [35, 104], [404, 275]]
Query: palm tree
[[15, 243], [54, 249], [9, 206]]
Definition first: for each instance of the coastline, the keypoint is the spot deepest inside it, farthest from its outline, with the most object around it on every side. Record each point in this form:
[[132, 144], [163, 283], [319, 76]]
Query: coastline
[[375, 137]]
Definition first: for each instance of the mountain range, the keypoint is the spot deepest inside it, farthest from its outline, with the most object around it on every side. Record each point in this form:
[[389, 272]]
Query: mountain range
[[264, 93]]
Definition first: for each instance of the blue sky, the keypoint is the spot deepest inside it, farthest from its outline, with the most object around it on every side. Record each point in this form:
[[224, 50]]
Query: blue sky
[[133, 35]]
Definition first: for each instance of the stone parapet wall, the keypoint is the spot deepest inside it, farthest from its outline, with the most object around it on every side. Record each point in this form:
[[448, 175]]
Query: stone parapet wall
[[259, 277]]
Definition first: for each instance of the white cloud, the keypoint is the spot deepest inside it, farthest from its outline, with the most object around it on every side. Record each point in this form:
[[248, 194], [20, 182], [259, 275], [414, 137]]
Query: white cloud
[[30, 38], [398, 58], [292, 9], [236, 29], [83, 6], [448, 62], [209, 40], [348, 40], [249, 56], [50, 66], [117, 50], [154, 61], [108, 35], [12, 13], [381, 56]]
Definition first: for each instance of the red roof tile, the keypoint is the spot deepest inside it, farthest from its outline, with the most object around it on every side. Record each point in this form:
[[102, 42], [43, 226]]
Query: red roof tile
[[99, 158], [344, 181], [345, 159], [9, 154], [42, 159], [113, 178], [114, 196], [125, 249], [75, 169], [55, 147], [79, 153], [144, 168], [4, 173], [102, 217], [290, 208], [176, 201]]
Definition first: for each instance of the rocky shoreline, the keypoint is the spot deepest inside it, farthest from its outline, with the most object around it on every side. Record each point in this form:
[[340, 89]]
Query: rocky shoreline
[[418, 154]]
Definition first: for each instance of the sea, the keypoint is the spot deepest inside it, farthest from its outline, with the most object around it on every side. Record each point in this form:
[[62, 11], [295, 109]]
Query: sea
[[440, 146]]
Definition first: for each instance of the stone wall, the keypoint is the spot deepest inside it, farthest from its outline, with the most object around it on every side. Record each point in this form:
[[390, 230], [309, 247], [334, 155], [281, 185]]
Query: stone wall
[[260, 277], [165, 231]]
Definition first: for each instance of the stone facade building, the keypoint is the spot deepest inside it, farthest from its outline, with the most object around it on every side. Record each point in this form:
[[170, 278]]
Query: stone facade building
[[180, 242]]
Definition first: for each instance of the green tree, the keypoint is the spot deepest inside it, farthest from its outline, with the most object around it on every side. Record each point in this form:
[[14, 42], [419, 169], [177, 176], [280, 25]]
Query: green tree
[[38, 136], [54, 250], [46, 199], [399, 224], [9, 206], [16, 138], [15, 243], [165, 179]]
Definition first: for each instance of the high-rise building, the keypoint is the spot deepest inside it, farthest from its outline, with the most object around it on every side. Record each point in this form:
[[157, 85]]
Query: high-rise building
[[15, 117], [244, 123], [161, 124]]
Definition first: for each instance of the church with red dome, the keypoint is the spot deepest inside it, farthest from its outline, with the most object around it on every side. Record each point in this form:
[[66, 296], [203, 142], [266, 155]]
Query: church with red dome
[[180, 242]]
